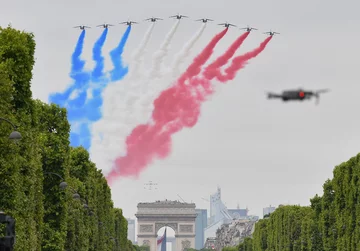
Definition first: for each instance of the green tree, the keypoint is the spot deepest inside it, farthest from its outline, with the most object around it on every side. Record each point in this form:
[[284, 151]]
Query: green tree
[[246, 245], [21, 180], [48, 218], [54, 132], [330, 223], [142, 248]]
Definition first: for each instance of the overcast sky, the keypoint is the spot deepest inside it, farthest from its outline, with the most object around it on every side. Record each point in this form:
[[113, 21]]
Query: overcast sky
[[259, 151]]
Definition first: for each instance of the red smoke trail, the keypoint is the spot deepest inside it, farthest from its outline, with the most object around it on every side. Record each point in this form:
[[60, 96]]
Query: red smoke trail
[[195, 68], [212, 69], [175, 108], [240, 61]]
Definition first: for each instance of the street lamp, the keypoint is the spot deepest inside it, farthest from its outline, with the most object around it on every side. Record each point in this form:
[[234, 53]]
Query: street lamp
[[14, 135], [62, 184], [7, 242], [85, 205], [76, 196]]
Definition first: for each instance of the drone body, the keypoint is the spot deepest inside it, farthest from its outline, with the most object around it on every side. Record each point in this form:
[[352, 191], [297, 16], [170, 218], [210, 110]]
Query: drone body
[[297, 95]]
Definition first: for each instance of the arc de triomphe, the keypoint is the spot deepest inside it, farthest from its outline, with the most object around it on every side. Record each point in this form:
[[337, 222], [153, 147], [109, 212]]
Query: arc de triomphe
[[174, 214]]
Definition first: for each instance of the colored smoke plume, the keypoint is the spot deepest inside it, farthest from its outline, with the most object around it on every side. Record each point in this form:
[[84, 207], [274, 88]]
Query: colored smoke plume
[[211, 70], [115, 110], [175, 108], [155, 89], [76, 73], [119, 70], [138, 55], [184, 53], [240, 61], [162, 52], [97, 73], [82, 102], [86, 106]]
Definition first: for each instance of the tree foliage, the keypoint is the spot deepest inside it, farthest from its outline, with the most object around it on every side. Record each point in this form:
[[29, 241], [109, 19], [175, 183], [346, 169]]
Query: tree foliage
[[145, 248], [47, 217], [332, 222]]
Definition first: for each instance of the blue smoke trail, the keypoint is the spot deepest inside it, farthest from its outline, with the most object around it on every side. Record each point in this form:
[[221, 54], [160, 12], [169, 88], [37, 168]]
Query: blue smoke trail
[[80, 78], [97, 74], [83, 108], [87, 109], [82, 99], [119, 70]]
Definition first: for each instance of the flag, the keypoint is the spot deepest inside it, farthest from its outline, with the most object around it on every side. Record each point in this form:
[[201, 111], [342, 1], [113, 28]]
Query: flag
[[161, 243]]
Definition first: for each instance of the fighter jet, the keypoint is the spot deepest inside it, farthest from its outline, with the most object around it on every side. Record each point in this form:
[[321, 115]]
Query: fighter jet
[[248, 29], [299, 95], [105, 26], [129, 23], [271, 33], [82, 27], [153, 19], [178, 16], [227, 25], [204, 20]]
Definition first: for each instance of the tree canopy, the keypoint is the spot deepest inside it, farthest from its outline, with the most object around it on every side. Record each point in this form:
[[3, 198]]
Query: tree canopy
[[48, 217], [331, 222]]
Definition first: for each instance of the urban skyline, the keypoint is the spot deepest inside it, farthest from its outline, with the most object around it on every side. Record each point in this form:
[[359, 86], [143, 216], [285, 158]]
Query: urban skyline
[[215, 215]]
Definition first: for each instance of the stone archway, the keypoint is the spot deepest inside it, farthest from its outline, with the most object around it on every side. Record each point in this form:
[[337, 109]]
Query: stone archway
[[177, 215]]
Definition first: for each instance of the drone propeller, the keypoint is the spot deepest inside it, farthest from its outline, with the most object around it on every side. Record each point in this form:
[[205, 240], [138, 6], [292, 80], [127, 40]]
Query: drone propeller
[[322, 91], [317, 100], [317, 96]]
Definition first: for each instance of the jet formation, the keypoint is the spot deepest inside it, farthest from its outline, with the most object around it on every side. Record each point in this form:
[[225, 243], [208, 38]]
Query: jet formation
[[129, 23], [105, 25], [82, 27], [285, 96], [178, 17]]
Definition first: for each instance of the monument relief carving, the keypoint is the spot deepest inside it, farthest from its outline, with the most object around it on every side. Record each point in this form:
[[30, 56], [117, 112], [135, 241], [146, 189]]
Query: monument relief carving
[[179, 216], [174, 226], [186, 228], [185, 245], [146, 228]]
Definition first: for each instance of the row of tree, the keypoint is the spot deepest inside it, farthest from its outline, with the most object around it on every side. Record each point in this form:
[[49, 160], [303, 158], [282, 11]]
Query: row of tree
[[50, 214], [331, 222]]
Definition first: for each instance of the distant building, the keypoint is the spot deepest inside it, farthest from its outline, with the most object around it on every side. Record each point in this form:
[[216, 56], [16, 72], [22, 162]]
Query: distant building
[[200, 225], [219, 214], [210, 243], [131, 230], [218, 210], [238, 213], [268, 210]]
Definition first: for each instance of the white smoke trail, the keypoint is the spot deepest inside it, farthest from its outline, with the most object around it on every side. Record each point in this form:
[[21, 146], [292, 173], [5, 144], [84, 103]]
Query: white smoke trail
[[173, 72], [138, 56], [141, 88], [159, 56], [105, 132], [184, 53], [120, 114], [145, 89]]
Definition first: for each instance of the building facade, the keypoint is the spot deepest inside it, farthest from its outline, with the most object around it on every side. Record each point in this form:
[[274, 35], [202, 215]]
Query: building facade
[[131, 230], [220, 214], [151, 217], [200, 225], [238, 213]]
